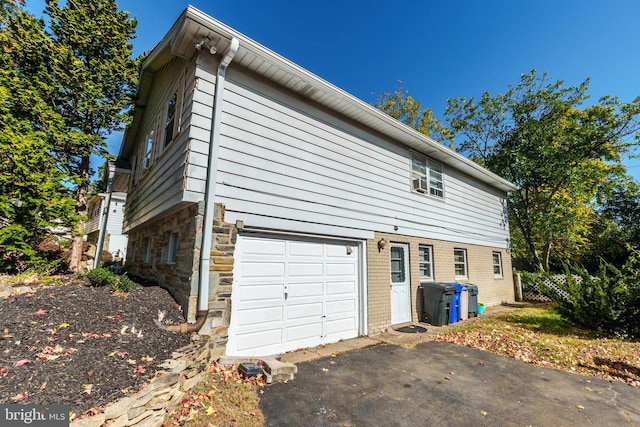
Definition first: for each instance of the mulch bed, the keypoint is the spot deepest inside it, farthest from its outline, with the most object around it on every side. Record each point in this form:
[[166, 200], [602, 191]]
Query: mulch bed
[[82, 346]]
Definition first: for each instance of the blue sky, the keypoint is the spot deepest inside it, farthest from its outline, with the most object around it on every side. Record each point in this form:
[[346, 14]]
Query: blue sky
[[439, 49]]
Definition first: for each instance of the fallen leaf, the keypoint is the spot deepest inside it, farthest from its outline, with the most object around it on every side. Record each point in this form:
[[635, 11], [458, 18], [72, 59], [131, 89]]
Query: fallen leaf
[[117, 316], [210, 410], [3, 370], [588, 388], [325, 370], [40, 312], [63, 325], [89, 372], [131, 361], [21, 362], [141, 369], [20, 397], [483, 413], [43, 386], [123, 354], [147, 359], [88, 388], [58, 349], [579, 406]]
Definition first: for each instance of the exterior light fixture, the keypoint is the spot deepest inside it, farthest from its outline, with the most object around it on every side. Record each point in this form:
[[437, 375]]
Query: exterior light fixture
[[381, 244]]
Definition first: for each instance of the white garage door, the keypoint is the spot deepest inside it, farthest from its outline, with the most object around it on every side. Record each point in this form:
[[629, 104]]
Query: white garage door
[[289, 294]]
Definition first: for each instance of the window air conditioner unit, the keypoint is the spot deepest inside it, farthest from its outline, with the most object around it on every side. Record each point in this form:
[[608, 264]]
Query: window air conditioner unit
[[420, 184]]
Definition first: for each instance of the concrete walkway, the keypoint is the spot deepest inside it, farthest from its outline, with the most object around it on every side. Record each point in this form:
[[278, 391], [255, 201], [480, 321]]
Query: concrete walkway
[[402, 339]]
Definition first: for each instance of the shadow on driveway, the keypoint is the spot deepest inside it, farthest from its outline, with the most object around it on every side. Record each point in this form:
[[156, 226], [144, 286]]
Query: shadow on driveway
[[441, 384]]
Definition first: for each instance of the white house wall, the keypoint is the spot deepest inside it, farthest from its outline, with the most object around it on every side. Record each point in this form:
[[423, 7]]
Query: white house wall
[[166, 185], [286, 164]]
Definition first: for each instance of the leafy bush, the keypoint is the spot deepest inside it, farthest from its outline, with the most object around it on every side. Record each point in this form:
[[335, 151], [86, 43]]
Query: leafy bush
[[122, 284], [101, 277], [608, 301]]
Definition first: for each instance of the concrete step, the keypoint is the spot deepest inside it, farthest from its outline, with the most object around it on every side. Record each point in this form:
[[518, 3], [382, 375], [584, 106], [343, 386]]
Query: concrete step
[[274, 369]]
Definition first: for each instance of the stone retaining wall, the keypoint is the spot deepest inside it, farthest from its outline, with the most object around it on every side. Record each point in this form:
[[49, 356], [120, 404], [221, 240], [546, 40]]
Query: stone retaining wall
[[150, 406]]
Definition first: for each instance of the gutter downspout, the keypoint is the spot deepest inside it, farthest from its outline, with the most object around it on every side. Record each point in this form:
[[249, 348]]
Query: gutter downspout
[[105, 213], [210, 192]]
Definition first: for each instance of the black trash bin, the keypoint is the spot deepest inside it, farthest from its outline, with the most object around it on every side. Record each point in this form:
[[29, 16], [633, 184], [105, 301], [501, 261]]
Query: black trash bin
[[436, 303], [472, 292]]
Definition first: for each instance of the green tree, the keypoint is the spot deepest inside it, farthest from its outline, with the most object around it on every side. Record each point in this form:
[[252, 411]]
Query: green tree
[[404, 108], [33, 199], [539, 136], [97, 77]]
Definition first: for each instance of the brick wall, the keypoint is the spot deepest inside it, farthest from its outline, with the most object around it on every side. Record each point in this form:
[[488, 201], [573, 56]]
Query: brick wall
[[491, 290]]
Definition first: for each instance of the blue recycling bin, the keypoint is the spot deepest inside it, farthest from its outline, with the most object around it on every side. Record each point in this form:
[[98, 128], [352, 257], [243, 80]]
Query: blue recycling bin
[[454, 313]]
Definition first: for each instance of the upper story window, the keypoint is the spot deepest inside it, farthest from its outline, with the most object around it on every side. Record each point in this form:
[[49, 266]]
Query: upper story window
[[425, 255], [426, 176], [170, 122], [460, 263], [497, 264], [162, 130]]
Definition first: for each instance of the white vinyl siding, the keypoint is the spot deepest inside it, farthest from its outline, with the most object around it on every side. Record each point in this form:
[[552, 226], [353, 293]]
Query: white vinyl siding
[[285, 165], [161, 188], [460, 263]]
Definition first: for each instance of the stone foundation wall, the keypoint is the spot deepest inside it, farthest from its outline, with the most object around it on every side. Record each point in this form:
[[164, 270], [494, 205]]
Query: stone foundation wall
[[148, 255], [223, 247]]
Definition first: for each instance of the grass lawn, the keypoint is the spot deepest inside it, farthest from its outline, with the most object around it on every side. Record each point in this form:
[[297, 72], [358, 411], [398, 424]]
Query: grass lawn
[[541, 337]]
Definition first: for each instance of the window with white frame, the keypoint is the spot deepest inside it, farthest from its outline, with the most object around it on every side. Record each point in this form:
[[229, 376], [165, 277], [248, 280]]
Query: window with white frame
[[460, 263], [172, 252], [497, 264], [425, 254], [426, 176]]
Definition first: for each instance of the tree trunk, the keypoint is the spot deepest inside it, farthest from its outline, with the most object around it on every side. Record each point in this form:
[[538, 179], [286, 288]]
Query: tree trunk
[[75, 260]]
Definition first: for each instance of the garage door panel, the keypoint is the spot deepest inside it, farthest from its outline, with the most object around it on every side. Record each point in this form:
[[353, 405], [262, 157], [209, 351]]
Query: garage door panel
[[341, 269], [342, 306], [261, 292], [303, 249], [340, 251], [260, 316], [306, 269], [337, 288], [290, 294], [259, 339], [300, 311], [304, 332], [340, 326], [261, 247], [252, 269], [303, 290]]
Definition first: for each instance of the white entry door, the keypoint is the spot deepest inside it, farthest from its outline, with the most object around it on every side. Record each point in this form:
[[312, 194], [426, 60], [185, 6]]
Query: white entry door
[[400, 283], [291, 293]]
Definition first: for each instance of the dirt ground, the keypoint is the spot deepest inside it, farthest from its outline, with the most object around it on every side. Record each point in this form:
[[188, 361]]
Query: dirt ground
[[73, 344]]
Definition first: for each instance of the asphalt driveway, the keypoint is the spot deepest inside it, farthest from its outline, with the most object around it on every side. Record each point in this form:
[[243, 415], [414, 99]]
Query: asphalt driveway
[[441, 384]]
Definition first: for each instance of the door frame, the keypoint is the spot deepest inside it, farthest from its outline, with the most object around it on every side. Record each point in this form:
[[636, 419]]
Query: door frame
[[407, 283]]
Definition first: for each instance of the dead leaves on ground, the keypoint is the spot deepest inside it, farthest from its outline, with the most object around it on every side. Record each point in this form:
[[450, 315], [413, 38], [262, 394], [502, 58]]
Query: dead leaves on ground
[[610, 359], [224, 397]]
